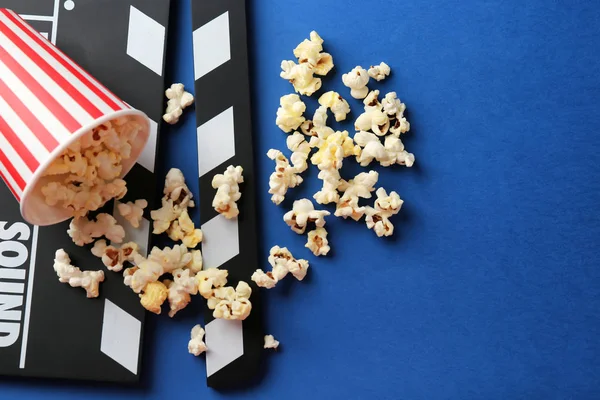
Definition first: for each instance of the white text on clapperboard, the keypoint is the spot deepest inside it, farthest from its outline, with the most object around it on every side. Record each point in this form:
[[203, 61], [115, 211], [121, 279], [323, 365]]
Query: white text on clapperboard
[[13, 255]]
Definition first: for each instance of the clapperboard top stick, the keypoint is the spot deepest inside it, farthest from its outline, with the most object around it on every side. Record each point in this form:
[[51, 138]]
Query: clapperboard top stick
[[225, 138]]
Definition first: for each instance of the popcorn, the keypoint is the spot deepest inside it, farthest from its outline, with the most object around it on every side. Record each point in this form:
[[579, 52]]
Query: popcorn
[[176, 190], [237, 308], [289, 114], [301, 77], [170, 258], [180, 290], [360, 187], [106, 225], [179, 99], [210, 278], [300, 151], [196, 344], [195, 264], [308, 51], [317, 242], [396, 152], [378, 216], [113, 258], [264, 280], [302, 213], [83, 231], [133, 212], [328, 193], [86, 175], [284, 177], [67, 273], [183, 230], [178, 298], [336, 104], [228, 191], [371, 149], [155, 294], [128, 275], [280, 258], [176, 200], [357, 80], [270, 342], [373, 118], [379, 72], [333, 150], [392, 105], [311, 61], [148, 271]]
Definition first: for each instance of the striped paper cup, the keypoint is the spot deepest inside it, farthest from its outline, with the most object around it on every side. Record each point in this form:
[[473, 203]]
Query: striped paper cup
[[47, 102]]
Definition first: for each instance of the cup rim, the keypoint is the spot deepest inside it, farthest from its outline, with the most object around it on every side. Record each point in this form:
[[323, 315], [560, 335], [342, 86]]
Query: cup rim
[[38, 174]]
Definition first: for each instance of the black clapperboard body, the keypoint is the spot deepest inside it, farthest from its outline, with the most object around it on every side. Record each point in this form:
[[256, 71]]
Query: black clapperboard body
[[48, 329], [225, 138]]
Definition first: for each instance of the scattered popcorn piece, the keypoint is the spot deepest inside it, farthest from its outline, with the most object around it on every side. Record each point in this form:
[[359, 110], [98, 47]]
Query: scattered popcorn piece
[[302, 213], [271, 342], [80, 231], [170, 258], [230, 303], [357, 81], [176, 190], [300, 151], [133, 212], [333, 150], [179, 99], [178, 297], [385, 206], [264, 280], [210, 278], [371, 149], [128, 275], [301, 77], [308, 50], [397, 155], [282, 258], [196, 346], [148, 271], [394, 108], [317, 242], [195, 264], [67, 273], [284, 177], [324, 64], [228, 191], [163, 217], [331, 181], [360, 187], [379, 72], [155, 294], [107, 226], [99, 247], [83, 231], [336, 104], [373, 118], [243, 290], [289, 114]]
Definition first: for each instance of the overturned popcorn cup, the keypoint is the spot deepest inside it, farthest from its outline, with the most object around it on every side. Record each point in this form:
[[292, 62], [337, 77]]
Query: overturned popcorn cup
[[47, 103]]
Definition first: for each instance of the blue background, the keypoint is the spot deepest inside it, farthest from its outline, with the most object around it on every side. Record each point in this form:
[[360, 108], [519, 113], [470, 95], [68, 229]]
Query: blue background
[[490, 287]]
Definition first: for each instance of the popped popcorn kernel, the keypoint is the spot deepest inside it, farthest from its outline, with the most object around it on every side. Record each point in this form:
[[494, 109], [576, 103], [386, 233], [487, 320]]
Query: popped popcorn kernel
[[155, 294], [289, 114], [317, 242], [303, 212], [379, 72], [67, 273], [377, 217], [228, 191], [284, 177], [133, 212], [357, 81], [271, 342], [148, 271], [301, 77], [264, 280], [170, 258], [360, 187], [179, 99], [210, 278], [282, 258], [196, 345], [336, 104], [195, 264]]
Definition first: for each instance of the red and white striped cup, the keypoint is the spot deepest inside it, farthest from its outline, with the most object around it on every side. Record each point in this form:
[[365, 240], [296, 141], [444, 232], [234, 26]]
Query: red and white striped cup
[[47, 102]]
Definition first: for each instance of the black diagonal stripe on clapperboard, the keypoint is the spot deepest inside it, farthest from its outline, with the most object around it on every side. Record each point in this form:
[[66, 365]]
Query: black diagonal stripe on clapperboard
[[64, 332], [228, 86]]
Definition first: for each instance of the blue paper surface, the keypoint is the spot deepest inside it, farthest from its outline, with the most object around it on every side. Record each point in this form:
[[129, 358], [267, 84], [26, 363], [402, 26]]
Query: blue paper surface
[[490, 287]]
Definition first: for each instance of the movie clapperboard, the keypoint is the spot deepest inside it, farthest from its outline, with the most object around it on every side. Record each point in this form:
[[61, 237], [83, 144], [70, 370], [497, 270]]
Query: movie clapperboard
[[48, 329], [225, 138]]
